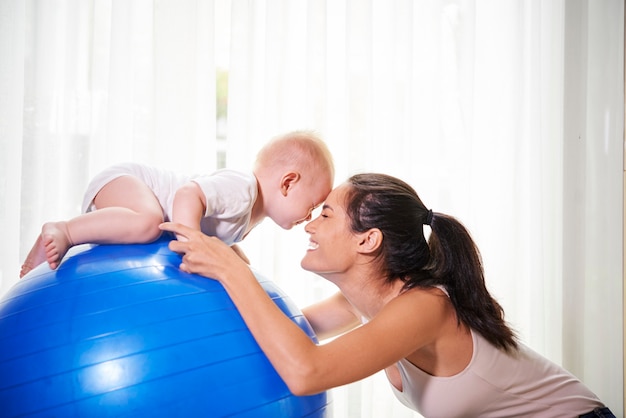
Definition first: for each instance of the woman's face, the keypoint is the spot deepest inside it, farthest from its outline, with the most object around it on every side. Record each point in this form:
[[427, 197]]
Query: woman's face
[[332, 245]]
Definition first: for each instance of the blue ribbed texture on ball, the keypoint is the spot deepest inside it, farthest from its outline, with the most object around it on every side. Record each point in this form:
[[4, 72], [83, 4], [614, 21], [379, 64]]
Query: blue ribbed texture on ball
[[119, 330]]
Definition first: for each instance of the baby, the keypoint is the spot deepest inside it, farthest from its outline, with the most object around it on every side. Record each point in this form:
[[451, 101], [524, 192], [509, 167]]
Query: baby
[[292, 175]]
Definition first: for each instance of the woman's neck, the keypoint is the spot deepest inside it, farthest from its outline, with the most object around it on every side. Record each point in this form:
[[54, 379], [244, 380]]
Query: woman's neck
[[368, 296]]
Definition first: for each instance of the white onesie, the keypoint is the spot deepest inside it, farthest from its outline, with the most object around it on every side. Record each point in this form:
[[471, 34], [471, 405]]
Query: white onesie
[[229, 195]]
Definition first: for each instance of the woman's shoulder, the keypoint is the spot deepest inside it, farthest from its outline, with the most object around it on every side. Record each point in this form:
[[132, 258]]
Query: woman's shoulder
[[424, 309]]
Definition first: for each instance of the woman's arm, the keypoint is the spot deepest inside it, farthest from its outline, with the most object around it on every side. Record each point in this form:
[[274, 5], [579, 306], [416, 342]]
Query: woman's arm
[[237, 249], [331, 317], [403, 326]]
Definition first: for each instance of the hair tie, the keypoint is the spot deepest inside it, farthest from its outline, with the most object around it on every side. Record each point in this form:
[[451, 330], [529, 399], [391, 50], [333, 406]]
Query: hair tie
[[429, 217]]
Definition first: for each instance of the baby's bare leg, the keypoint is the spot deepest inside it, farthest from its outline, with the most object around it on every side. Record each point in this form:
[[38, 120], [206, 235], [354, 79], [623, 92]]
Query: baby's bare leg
[[127, 211], [56, 240], [51, 245], [35, 257]]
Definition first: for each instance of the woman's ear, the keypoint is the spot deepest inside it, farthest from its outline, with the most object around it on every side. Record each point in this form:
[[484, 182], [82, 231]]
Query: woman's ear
[[370, 241], [287, 181]]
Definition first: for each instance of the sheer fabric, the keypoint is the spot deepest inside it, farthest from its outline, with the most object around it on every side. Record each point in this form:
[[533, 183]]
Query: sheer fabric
[[506, 114]]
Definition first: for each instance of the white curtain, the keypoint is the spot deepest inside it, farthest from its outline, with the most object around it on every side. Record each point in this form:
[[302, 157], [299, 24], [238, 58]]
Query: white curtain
[[505, 113]]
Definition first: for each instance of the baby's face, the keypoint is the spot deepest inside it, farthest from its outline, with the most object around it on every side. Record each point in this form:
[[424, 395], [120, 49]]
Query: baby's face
[[301, 200]]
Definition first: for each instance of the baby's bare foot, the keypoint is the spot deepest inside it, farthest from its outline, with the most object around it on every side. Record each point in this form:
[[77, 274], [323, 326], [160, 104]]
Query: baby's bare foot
[[35, 257], [55, 240]]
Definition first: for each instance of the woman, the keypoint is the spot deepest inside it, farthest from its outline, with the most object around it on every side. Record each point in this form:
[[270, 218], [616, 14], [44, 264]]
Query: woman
[[418, 309]]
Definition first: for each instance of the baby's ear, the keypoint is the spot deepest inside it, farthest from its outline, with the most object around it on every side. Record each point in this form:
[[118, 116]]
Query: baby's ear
[[287, 181]]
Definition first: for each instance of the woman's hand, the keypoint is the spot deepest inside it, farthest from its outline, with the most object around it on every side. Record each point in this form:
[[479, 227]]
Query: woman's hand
[[204, 255]]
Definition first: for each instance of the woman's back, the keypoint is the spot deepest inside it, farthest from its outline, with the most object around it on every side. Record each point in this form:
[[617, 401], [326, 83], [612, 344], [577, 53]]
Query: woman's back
[[497, 384]]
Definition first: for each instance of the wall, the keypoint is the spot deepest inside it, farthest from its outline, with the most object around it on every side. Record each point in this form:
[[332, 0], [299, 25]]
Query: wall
[[593, 173]]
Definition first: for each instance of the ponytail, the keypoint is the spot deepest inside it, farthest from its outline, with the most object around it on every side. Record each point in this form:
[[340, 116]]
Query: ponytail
[[455, 263]]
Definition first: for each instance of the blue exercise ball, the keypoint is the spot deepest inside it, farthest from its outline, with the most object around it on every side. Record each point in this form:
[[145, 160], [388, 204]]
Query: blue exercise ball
[[120, 330]]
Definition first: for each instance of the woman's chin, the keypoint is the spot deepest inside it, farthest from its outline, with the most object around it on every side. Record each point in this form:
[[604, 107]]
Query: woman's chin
[[305, 264]]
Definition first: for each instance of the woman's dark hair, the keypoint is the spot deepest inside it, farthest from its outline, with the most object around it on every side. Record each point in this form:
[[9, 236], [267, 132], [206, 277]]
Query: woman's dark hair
[[450, 258]]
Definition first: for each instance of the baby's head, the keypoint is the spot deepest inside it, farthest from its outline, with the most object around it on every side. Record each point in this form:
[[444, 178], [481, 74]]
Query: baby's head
[[295, 172]]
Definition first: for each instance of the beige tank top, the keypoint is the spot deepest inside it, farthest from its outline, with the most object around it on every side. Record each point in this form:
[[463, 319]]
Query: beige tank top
[[497, 384]]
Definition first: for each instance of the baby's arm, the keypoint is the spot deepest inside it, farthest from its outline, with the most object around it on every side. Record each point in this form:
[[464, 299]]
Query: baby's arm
[[189, 205]]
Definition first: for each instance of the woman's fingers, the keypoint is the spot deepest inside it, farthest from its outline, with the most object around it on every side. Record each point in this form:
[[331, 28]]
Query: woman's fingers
[[176, 228], [177, 246], [180, 230], [201, 254]]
